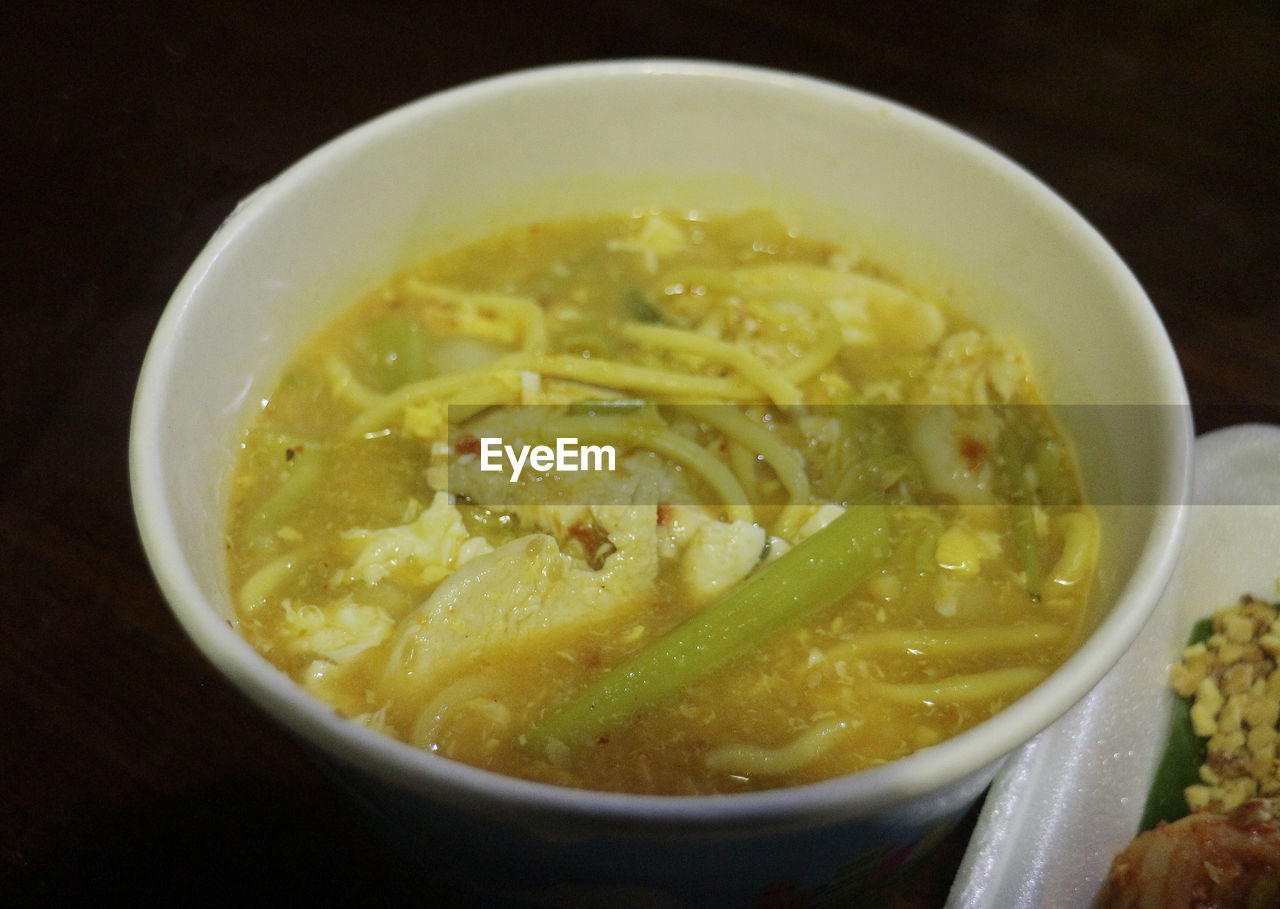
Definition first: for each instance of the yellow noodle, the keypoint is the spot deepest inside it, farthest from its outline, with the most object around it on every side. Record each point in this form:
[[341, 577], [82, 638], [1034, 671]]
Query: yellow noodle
[[787, 463], [482, 396], [505, 373], [742, 461], [263, 582], [951, 642], [752, 760], [964, 689], [827, 337], [346, 386], [779, 389], [1079, 548], [629, 432], [460, 413], [568, 391], [524, 311], [827, 342], [666, 383], [463, 384]]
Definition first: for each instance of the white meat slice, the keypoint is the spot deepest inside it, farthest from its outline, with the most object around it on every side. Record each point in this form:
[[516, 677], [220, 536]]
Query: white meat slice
[[527, 588]]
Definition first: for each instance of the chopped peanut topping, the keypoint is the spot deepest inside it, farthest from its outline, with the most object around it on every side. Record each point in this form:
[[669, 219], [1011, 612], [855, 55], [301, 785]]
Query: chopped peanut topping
[[1236, 686]]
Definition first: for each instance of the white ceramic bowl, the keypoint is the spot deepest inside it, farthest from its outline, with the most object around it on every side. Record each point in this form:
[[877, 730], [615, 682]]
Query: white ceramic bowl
[[608, 137]]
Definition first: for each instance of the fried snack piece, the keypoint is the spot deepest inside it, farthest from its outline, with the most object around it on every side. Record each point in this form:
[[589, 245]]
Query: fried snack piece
[[1202, 860]]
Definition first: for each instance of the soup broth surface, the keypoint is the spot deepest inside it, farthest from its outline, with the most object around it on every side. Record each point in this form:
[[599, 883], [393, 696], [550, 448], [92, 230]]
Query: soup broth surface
[[757, 387]]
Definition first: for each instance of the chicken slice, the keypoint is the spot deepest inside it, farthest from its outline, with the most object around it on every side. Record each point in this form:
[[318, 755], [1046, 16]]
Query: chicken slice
[[525, 589]]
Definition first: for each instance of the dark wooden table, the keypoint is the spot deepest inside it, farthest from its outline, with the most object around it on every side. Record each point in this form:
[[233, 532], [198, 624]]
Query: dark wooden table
[[127, 766]]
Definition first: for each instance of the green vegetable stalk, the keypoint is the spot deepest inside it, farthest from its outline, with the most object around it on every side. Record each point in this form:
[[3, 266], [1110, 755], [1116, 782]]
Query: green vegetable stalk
[[799, 583], [1012, 463], [306, 465], [399, 350]]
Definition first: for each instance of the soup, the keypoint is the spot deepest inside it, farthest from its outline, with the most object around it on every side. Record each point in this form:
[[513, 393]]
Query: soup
[[660, 503]]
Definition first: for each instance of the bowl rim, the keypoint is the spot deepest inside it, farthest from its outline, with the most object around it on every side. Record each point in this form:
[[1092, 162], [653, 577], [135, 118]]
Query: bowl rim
[[917, 775]]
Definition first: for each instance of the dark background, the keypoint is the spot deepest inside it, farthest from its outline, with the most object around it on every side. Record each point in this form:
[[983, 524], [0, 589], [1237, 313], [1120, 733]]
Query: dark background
[[127, 766]]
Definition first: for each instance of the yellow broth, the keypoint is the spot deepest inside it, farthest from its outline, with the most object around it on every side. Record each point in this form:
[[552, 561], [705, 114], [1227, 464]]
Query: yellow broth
[[375, 565]]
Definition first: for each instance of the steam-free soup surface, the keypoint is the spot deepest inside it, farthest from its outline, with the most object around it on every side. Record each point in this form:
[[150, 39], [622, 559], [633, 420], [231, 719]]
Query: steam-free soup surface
[[754, 385]]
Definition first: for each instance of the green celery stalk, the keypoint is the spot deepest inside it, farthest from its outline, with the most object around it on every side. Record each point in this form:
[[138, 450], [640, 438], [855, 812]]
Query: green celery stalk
[[1011, 465], [799, 583], [306, 466], [1024, 533], [399, 350]]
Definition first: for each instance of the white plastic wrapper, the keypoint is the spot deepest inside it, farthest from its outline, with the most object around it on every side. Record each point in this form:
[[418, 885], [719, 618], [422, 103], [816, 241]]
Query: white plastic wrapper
[[1064, 804]]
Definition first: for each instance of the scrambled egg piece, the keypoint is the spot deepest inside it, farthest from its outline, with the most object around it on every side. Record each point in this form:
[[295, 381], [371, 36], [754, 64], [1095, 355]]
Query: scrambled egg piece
[[419, 553], [428, 420], [657, 237], [337, 632], [971, 368], [720, 555], [962, 549]]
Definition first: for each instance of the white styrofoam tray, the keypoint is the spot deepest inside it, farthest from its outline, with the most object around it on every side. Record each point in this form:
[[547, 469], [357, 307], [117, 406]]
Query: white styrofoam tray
[[1066, 802]]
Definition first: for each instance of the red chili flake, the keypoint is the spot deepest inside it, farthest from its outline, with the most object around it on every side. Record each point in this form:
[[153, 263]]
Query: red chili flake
[[603, 740], [468, 444], [974, 454]]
